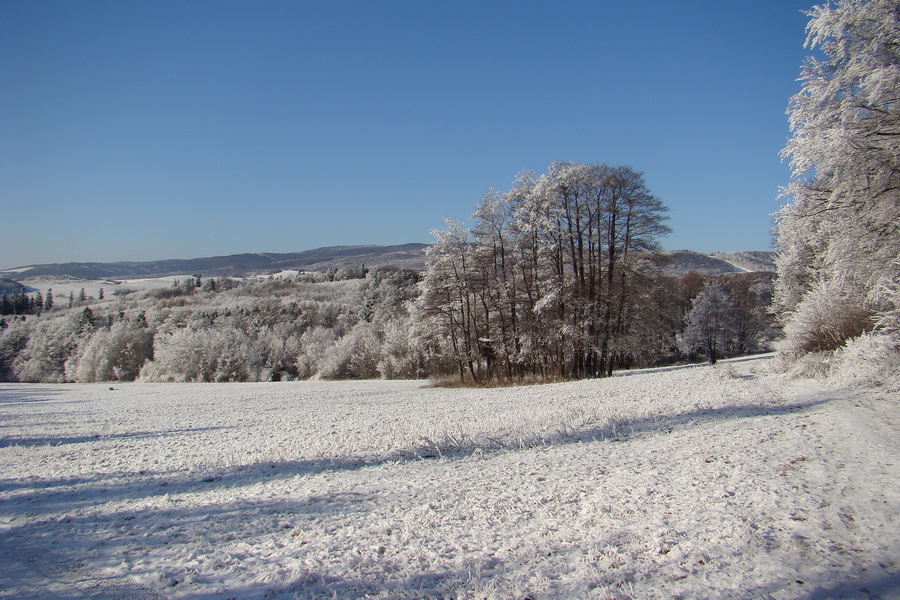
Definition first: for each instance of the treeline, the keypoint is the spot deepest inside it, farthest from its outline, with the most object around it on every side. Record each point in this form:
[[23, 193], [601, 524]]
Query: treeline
[[560, 277], [327, 325], [376, 324], [21, 303], [838, 236]]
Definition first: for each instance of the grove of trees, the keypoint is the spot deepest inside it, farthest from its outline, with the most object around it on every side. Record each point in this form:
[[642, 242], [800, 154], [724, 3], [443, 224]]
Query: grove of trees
[[559, 277]]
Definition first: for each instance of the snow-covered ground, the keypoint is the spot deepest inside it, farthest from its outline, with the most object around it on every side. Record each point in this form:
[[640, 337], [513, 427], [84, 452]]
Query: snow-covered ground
[[700, 482], [63, 286]]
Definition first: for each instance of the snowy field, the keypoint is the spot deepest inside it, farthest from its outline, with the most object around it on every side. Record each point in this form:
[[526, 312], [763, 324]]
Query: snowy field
[[63, 286], [699, 482]]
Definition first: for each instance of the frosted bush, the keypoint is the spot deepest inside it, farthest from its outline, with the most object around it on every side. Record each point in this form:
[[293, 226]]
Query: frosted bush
[[812, 365], [825, 319], [354, 356], [869, 358], [720, 372]]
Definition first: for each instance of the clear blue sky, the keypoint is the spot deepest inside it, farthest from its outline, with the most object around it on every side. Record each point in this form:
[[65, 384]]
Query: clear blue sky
[[153, 130]]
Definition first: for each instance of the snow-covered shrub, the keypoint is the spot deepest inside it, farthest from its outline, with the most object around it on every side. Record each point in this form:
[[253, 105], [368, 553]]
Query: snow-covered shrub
[[825, 319], [354, 356], [871, 358], [812, 365], [721, 372]]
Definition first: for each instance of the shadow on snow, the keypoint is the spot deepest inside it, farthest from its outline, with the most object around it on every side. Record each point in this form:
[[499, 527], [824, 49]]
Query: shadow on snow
[[61, 539]]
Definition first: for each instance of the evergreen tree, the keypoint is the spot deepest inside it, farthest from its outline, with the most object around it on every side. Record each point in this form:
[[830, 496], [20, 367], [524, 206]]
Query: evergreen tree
[[86, 320], [48, 301]]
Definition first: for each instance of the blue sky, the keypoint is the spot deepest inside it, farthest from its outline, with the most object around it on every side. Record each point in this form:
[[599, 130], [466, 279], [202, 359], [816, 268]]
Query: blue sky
[[153, 130]]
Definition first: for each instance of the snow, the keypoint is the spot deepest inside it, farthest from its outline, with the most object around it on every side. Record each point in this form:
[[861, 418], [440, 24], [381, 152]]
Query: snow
[[63, 286], [702, 482]]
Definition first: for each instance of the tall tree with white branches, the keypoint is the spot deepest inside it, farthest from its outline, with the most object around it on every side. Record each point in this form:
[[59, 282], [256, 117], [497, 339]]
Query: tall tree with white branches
[[839, 234]]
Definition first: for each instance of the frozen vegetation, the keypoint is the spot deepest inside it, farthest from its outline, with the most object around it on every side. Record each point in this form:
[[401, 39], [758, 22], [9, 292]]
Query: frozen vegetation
[[345, 324], [697, 482]]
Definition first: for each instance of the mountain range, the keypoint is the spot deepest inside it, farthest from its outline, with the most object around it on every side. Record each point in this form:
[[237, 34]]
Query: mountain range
[[403, 256]]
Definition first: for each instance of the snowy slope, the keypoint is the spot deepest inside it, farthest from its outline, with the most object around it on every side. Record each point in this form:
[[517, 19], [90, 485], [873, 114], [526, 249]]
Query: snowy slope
[[681, 262], [696, 482], [753, 261]]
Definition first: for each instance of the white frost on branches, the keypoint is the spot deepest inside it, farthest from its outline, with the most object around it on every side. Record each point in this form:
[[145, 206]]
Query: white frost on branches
[[839, 236]]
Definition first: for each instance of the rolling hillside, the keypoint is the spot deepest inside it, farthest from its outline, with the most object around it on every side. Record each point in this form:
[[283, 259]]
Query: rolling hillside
[[403, 256]]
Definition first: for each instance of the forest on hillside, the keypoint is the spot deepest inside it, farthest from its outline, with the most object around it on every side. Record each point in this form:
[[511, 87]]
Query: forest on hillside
[[353, 324]]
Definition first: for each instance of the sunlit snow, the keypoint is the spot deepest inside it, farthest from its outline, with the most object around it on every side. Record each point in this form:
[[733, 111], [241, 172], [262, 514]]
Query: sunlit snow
[[701, 482]]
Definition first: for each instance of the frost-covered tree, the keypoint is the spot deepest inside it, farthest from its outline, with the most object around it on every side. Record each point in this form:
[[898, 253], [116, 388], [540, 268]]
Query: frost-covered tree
[[13, 339], [214, 354], [448, 297], [51, 343], [839, 234], [713, 321], [114, 354], [755, 325], [550, 279]]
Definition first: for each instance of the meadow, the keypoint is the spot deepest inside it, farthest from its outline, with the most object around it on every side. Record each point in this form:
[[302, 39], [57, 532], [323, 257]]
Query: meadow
[[717, 482]]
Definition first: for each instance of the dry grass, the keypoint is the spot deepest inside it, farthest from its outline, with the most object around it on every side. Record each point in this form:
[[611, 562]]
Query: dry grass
[[456, 382]]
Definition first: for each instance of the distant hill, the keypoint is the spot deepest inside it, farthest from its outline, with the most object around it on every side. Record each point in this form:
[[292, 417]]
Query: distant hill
[[683, 261], [11, 288], [403, 256], [748, 261]]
